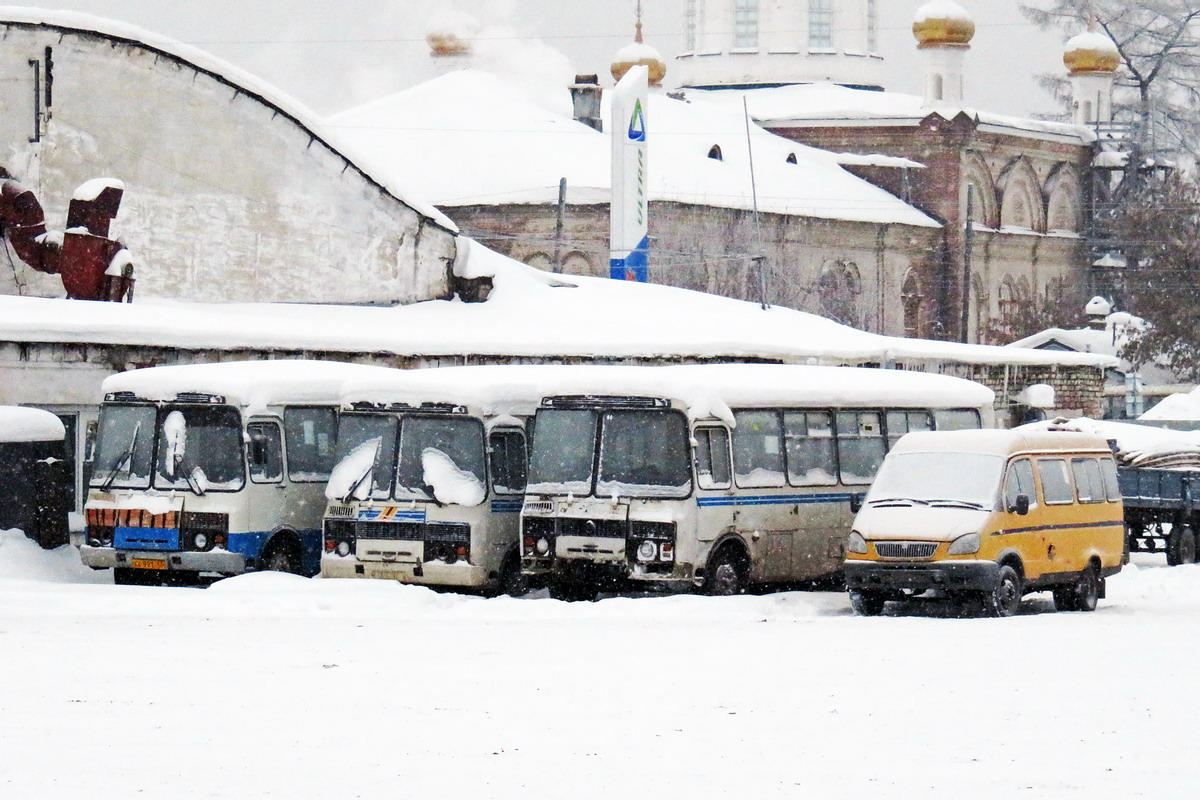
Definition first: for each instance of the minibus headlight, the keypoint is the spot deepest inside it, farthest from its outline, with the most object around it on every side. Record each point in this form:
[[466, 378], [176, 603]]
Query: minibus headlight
[[543, 546], [856, 543], [647, 551], [965, 545], [343, 548]]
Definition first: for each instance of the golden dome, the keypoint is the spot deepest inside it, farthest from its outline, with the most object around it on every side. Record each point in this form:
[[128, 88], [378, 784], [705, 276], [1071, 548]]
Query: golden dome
[[447, 43], [941, 23], [638, 52], [1091, 53]]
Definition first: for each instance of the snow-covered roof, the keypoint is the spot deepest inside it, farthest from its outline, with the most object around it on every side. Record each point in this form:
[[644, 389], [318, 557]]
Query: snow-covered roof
[[473, 138], [941, 9], [1137, 445], [1182, 406], [1092, 40], [529, 314], [706, 390], [228, 73], [833, 104], [19, 424], [1109, 340], [255, 384]]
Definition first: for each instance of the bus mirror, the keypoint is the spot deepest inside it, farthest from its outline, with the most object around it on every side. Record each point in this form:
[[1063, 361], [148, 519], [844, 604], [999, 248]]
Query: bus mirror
[[856, 503], [1021, 506]]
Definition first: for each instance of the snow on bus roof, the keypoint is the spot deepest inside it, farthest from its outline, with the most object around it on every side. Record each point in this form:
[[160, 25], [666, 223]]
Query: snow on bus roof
[[208, 63], [529, 314], [19, 424], [254, 384], [707, 390]]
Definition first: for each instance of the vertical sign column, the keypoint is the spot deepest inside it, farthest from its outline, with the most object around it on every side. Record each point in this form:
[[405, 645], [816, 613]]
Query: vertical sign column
[[629, 243]]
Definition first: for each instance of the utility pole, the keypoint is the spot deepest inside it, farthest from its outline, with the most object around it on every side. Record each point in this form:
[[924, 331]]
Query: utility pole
[[558, 223], [966, 276]]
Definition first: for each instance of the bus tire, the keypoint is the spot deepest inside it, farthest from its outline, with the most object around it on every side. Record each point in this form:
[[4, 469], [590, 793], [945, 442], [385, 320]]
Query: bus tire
[[571, 591], [1181, 546], [726, 574], [1082, 595], [867, 604], [512, 582], [281, 555], [1005, 598]]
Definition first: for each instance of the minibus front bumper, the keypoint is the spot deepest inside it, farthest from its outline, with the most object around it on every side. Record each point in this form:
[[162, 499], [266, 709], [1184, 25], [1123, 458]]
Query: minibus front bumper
[[921, 576], [222, 561]]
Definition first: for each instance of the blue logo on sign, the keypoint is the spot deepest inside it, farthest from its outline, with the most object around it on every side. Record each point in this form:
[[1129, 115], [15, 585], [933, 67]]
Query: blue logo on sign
[[637, 123]]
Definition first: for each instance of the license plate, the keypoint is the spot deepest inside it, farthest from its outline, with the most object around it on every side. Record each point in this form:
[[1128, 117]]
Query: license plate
[[148, 563]]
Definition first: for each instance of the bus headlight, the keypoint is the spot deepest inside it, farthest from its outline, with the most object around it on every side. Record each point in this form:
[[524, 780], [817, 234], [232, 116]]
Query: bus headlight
[[856, 543], [542, 546], [200, 541], [647, 551], [343, 548], [965, 545]]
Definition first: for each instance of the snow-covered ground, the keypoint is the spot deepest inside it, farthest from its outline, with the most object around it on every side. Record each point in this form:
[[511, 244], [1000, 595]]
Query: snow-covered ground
[[269, 685]]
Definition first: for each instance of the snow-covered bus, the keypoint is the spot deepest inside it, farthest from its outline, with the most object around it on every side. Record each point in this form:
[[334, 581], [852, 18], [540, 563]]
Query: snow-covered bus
[[715, 476], [213, 468], [34, 478], [431, 477]]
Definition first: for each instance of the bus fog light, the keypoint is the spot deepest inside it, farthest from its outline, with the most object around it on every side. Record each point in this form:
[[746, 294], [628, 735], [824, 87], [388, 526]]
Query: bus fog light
[[668, 552], [856, 543], [543, 546], [647, 551], [343, 548], [965, 545]]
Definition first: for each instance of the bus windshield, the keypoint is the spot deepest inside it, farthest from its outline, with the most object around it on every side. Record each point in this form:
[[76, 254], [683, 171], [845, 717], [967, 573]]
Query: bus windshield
[[564, 446], [644, 454], [442, 459], [366, 456], [125, 447], [971, 479], [200, 448]]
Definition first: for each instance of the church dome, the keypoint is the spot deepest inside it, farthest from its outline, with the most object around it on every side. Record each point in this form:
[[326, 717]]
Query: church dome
[[444, 43], [941, 23], [1090, 53], [638, 52]]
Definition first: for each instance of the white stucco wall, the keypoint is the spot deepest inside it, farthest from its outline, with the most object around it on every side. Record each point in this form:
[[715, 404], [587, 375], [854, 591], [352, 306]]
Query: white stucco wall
[[228, 196]]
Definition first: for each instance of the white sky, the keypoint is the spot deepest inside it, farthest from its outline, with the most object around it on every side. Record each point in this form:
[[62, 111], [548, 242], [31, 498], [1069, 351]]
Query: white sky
[[336, 55]]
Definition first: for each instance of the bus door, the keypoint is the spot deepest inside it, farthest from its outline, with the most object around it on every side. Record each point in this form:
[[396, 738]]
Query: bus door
[[714, 483], [822, 506], [765, 512]]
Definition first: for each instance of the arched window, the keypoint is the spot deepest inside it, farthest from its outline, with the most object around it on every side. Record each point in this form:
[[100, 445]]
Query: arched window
[[911, 298], [715, 154], [977, 176], [1021, 197], [939, 87], [839, 289], [1008, 300], [1065, 199], [791, 159]]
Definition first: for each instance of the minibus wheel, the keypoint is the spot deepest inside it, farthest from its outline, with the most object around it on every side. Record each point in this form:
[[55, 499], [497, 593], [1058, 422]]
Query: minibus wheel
[[867, 604], [1005, 599], [1083, 595]]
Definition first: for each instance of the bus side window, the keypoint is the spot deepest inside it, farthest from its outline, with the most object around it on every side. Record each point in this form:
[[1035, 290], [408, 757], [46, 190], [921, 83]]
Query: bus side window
[[712, 458], [1088, 484], [1112, 487], [265, 452], [956, 419], [902, 422], [1056, 481], [506, 453], [860, 445], [311, 436], [757, 451], [810, 456], [1019, 481]]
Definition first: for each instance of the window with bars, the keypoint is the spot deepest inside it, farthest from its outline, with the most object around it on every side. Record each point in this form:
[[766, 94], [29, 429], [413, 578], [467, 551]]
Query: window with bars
[[820, 24], [745, 23], [689, 26], [872, 26]]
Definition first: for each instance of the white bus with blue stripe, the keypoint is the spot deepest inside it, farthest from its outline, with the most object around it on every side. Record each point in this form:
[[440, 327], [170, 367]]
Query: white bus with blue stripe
[[430, 480], [715, 476], [213, 469]]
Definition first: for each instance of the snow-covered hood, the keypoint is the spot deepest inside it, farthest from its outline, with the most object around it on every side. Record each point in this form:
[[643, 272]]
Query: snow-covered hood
[[918, 523]]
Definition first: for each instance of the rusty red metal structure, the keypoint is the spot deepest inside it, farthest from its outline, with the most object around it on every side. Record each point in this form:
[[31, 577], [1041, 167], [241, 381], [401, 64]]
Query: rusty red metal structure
[[91, 264]]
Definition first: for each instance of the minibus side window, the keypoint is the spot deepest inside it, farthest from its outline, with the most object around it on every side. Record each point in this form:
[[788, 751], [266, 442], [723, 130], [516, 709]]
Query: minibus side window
[[506, 453], [810, 456], [956, 419], [757, 452], [310, 434], [1056, 481], [860, 445], [1019, 481], [1112, 487], [712, 458], [902, 422], [265, 452]]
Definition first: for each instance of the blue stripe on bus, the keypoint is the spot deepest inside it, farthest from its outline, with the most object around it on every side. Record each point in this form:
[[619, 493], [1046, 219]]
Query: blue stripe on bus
[[773, 499]]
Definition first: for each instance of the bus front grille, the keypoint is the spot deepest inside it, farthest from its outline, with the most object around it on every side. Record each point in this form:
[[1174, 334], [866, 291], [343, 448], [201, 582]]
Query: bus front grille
[[905, 549]]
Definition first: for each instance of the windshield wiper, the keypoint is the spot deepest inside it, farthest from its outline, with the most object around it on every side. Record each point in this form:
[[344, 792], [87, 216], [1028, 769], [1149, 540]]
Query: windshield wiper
[[958, 504], [126, 455], [914, 500], [369, 471], [181, 464]]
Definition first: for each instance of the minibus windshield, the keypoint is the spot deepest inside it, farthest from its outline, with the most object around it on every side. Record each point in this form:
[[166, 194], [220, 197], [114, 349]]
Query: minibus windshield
[[442, 459], [366, 456], [939, 479], [200, 449], [644, 454], [125, 447], [564, 447]]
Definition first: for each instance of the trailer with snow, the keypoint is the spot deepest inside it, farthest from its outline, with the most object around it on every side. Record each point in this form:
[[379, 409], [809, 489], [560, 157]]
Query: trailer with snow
[[1162, 511], [34, 478]]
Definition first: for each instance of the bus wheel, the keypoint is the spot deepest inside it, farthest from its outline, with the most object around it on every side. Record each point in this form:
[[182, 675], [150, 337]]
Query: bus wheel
[[128, 576], [1083, 595], [726, 574], [282, 555], [1005, 599], [572, 592], [868, 604], [1181, 546], [512, 582]]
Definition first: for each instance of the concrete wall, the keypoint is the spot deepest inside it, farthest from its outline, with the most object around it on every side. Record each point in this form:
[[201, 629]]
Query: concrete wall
[[228, 197]]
